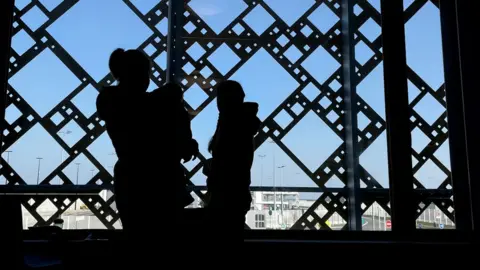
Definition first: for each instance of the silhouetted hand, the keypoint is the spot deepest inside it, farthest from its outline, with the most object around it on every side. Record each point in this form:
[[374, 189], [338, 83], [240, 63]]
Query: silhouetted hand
[[192, 153], [207, 167], [189, 158]]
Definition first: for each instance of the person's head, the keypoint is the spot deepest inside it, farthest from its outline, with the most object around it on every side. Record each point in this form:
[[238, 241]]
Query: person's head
[[173, 92], [230, 95], [132, 68]]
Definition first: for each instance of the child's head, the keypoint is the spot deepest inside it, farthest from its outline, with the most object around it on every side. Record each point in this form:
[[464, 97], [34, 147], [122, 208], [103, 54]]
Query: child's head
[[173, 92], [131, 67], [230, 95]]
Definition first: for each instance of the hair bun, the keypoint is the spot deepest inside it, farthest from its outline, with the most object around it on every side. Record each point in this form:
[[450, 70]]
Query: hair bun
[[116, 63], [117, 55]]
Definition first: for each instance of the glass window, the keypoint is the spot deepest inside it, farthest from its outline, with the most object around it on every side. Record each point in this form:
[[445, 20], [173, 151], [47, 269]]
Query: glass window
[[54, 137]]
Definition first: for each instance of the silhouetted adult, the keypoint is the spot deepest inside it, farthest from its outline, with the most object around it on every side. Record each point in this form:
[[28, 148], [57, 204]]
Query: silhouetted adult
[[232, 148], [151, 134], [122, 109]]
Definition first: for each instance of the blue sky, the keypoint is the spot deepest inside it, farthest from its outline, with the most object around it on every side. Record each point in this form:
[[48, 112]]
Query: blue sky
[[92, 29]]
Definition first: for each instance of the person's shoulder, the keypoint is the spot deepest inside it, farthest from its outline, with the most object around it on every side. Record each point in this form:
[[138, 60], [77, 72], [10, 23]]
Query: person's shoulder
[[107, 96], [250, 107], [155, 93], [107, 91], [155, 96]]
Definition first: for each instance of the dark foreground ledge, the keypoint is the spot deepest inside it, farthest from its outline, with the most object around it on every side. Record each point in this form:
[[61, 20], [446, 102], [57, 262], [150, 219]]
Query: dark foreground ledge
[[339, 248], [292, 244]]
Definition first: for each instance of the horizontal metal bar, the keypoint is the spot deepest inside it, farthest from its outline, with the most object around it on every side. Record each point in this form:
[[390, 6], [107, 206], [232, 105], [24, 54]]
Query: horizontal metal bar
[[220, 38], [52, 189], [94, 190]]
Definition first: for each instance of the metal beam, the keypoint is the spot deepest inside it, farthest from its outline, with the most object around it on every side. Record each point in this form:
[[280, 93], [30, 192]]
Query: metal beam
[[456, 117], [174, 43], [397, 116], [6, 16], [350, 100], [467, 18], [11, 225]]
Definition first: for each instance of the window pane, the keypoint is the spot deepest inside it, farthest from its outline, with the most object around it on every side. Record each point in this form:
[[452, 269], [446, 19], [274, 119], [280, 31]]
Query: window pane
[[59, 62], [431, 152], [371, 119], [286, 55]]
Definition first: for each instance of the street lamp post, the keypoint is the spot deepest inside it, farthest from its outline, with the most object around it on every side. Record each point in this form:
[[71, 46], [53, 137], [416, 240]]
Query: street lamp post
[[63, 134], [8, 155], [274, 185], [261, 169], [281, 192], [38, 170], [76, 184], [8, 161], [113, 154]]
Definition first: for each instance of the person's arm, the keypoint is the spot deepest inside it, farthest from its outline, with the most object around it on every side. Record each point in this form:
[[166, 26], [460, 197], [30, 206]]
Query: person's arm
[[207, 167], [187, 143], [102, 104]]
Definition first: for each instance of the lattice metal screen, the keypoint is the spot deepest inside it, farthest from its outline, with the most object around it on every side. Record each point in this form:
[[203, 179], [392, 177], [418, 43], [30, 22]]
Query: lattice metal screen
[[206, 54], [430, 153]]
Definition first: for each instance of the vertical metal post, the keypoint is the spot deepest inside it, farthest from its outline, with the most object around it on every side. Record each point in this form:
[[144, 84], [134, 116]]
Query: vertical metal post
[[397, 116], [350, 97], [456, 117], [467, 18], [11, 227], [6, 19], [174, 39]]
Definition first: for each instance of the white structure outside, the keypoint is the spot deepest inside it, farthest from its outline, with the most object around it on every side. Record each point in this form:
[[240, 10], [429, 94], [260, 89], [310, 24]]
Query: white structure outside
[[289, 208]]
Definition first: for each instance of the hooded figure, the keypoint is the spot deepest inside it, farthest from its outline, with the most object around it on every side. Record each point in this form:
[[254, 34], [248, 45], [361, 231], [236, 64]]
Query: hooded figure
[[232, 148], [167, 103]]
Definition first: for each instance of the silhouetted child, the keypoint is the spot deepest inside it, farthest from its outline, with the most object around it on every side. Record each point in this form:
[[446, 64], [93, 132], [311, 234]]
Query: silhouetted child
[[170, 100], [232, 148]]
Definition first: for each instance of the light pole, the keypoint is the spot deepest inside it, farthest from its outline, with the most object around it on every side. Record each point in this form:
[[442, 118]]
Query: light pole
[[8, 155], [78, 172], [64, 133], [38, 169], [8, 161], [113, 154], [261, 169], [274, 185], [281, 192]]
